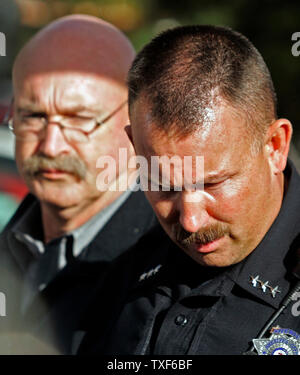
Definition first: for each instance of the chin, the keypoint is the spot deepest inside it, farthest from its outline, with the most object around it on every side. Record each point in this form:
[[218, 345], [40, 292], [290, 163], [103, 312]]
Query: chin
[[217, 258], [63, 201], [60, 196], [208, 260]]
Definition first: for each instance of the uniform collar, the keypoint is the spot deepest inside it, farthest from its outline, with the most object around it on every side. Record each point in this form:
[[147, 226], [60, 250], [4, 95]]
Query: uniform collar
[[178, 276], [268, 265], [28, 229]]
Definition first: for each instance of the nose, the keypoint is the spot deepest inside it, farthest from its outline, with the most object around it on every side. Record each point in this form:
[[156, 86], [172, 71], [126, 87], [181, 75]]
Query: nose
[[192, 210], [53, 142]]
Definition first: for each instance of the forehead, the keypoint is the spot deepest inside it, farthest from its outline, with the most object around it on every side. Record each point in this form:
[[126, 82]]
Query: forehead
[[64, 89], [222, 139]]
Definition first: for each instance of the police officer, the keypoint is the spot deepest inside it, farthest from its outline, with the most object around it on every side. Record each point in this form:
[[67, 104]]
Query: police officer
[[205, 92]]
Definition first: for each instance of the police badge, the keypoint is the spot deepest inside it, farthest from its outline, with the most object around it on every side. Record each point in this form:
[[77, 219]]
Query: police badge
[[283, 341]]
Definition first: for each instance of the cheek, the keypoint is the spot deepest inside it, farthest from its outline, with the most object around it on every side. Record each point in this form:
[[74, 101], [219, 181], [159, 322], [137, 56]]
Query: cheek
[[242, 206], [231, 204], [111, 145], [91, 155], [23, 151], [90, 160], [163, 208]]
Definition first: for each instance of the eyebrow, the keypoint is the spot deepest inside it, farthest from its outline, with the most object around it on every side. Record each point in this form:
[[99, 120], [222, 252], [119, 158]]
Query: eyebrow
[[211, 176], [67, 110], [79, 108], [29, 108]]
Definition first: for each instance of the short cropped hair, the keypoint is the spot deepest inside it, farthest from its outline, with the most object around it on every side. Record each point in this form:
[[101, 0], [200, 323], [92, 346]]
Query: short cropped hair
[[183, 70]]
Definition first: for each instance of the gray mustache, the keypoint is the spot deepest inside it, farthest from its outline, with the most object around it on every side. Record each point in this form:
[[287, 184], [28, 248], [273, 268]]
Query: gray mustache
[[65, 163], [202, 237]]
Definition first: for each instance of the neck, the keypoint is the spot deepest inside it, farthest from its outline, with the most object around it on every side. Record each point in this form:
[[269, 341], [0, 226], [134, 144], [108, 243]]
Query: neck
[[276, 200]]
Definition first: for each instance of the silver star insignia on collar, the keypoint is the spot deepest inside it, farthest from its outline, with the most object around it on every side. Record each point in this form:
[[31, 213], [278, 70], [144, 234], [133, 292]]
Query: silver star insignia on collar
[[274, 291], [150, 273], [264, 285], [254, 280]]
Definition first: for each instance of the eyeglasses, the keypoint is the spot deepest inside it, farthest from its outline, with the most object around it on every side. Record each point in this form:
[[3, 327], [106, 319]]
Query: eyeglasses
[[76, 129]]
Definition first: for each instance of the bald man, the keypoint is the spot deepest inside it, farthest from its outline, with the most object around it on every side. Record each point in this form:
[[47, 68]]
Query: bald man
[[70, 109]]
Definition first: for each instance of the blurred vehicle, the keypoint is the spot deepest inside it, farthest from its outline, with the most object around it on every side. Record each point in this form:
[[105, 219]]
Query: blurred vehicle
[[12, 186]]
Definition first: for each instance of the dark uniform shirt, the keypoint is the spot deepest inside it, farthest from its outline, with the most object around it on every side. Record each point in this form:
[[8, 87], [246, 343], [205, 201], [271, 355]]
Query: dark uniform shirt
[[53, 313], [166, 303]]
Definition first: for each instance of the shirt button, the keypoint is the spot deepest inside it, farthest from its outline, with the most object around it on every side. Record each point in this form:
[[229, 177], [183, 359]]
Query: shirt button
[[181, 320]]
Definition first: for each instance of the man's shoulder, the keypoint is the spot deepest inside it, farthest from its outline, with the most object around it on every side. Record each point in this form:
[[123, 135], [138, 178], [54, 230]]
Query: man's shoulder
[[133, 219], [127, 273], [136, 206], [26, 203], [150, 249], [147, 254]]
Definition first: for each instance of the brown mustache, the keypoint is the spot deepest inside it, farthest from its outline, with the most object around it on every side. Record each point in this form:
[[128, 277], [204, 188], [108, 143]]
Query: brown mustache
[[202, 236], [66, 163]]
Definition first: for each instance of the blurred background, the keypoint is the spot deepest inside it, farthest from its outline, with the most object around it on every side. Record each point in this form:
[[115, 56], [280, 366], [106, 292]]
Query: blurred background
[[269, 24]]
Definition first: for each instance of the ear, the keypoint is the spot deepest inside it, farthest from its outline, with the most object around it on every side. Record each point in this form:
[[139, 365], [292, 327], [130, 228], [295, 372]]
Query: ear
[[7, 118], [129, 133], [278, 144]]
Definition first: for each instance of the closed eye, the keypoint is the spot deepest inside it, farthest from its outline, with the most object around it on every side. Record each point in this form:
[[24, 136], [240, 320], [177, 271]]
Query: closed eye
[[79, 117], [33, 115], [162, 188], [213, 185]]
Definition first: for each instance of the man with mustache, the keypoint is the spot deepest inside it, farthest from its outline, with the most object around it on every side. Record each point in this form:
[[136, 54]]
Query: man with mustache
[[69, 110], [205, 91]]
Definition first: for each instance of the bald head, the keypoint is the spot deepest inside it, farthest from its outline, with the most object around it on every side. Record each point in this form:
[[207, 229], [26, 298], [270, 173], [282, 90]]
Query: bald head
[[76, 43]]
